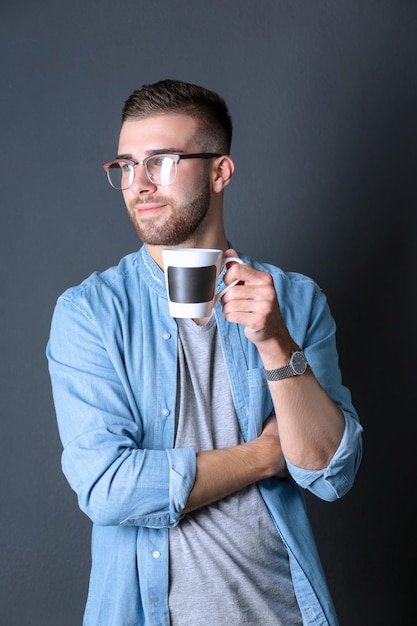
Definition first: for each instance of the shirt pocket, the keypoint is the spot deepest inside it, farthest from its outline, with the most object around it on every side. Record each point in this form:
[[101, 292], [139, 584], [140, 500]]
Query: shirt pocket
[[260, 401]]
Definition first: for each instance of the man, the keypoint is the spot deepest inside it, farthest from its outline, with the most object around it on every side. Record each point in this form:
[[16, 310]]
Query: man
[[187, 441]]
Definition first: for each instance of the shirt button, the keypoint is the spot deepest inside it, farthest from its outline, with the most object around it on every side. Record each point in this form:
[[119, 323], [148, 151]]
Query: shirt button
[[156, 554], [166, 412], [166, 335]]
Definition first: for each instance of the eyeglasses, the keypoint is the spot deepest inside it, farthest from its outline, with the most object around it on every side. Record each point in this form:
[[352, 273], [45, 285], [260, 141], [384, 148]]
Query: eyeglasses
[[161, 169]]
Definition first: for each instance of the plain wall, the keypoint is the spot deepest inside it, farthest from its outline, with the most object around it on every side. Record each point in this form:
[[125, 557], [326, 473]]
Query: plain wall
[[323, 96]]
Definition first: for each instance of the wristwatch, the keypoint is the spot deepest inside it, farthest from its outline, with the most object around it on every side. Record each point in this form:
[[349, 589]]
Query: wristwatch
[[296, 367]]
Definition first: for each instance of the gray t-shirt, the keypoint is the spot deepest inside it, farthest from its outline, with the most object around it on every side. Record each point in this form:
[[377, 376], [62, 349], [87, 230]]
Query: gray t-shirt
[[228, 564]]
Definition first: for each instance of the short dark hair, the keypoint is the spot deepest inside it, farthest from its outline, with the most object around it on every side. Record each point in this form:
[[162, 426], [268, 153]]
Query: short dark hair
[[174, 96]]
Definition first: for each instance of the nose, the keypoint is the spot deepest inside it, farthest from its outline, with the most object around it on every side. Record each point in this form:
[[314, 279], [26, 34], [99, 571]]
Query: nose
[[141, 183]]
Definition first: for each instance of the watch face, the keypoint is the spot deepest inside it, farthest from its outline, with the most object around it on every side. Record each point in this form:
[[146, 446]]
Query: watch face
[[298, 363]]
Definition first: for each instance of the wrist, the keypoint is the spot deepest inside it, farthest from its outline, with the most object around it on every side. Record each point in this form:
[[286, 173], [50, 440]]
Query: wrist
[[276, 354], [265, 451]]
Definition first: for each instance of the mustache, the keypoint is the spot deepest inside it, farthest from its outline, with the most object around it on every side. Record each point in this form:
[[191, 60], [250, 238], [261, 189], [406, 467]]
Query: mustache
[[153, 200]]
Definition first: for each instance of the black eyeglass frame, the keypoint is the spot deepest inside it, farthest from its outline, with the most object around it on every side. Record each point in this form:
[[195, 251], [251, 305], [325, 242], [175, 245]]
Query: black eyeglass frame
[[176, 158]]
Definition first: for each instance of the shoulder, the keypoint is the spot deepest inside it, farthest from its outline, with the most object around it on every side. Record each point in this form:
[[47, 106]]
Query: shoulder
[[101, 285], [105, 278]]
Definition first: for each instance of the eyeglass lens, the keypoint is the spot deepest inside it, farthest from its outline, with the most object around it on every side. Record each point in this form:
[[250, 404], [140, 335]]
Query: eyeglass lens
[[161, 170]]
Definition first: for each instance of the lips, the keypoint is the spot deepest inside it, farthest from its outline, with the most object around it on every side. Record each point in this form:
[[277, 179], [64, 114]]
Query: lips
[[148, 209]]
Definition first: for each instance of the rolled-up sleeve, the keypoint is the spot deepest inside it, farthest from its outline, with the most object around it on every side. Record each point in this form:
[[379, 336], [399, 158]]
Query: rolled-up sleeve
[[182, 468], [335, 480]]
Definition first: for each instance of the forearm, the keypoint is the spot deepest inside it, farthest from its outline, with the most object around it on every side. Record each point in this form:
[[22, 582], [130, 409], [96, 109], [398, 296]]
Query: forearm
[[310, 424], [223, 472]]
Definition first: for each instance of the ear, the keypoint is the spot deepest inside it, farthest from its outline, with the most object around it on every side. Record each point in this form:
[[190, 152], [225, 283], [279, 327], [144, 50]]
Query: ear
[[222, 173]]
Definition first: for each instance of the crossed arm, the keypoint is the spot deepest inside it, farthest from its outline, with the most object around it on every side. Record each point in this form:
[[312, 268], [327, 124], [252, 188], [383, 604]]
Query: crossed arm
[[118, 481], [223, 472]]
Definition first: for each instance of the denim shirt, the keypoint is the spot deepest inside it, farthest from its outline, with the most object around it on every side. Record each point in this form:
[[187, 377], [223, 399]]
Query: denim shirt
[[112, 356]]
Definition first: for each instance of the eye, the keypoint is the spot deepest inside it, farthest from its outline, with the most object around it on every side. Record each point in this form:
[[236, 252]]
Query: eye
[[160, 161], [126, 167]]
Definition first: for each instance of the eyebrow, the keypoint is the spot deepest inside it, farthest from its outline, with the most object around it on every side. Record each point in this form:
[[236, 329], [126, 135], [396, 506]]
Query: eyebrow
[[152, 153]]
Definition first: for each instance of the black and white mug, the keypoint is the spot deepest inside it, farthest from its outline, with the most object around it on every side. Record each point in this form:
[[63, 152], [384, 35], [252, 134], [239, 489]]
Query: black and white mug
[[191, 276]]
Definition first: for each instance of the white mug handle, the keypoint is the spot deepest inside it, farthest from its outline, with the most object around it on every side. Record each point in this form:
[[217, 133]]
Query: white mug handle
[[226, 260]]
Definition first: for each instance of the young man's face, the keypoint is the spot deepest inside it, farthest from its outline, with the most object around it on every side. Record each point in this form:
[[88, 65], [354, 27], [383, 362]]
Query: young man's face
[[166, 214]]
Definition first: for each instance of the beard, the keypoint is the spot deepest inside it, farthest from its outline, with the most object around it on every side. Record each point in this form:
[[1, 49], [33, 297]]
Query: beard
[[184, 221]]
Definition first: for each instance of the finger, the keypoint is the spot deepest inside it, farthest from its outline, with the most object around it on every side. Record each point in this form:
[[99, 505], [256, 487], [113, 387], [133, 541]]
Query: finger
[[234, 272], [251, 296], [230, 252], [248, 274]]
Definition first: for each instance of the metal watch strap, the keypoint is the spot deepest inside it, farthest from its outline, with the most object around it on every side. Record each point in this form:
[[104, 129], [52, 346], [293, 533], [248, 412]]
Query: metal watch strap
[[280, 373]]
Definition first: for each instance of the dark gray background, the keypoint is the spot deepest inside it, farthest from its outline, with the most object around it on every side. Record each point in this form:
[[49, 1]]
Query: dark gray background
[[323, 95]]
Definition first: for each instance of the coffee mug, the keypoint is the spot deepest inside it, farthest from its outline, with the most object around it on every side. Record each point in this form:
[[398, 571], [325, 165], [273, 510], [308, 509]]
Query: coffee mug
[[191, 276]]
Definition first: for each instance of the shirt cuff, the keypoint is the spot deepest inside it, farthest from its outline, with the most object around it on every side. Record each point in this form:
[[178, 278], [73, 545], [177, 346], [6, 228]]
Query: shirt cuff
[[183, 469], [335, 480]]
